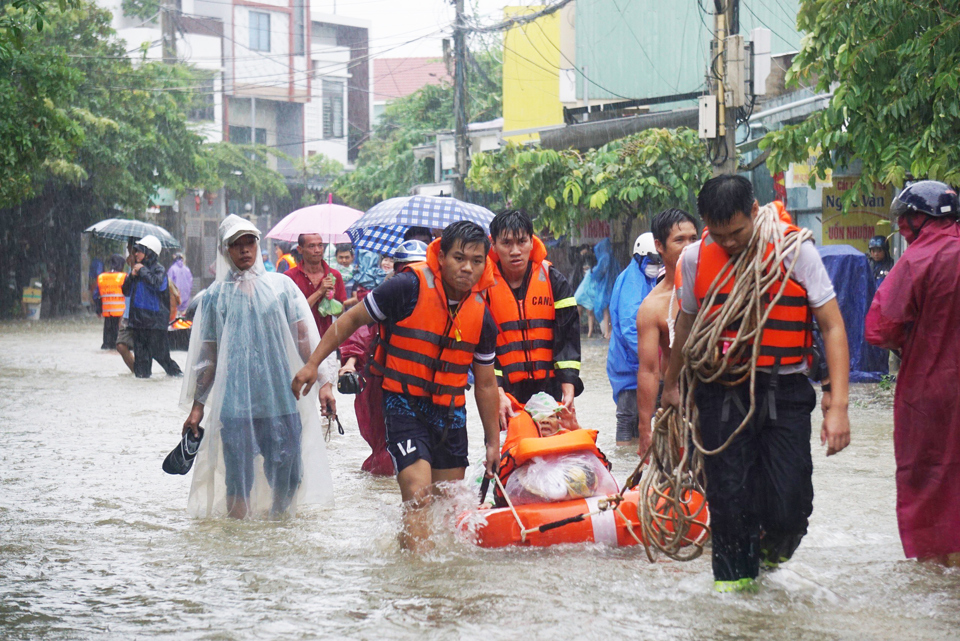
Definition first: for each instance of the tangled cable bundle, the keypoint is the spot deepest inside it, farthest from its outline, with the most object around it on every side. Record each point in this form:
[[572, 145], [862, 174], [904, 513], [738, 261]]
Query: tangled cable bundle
[[673, 479]]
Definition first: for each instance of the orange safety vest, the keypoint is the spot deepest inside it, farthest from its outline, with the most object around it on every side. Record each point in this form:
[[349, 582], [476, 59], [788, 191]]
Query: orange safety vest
[[525, 342], [289, 260], [787, 337], [782, 212], [111, 294], [429, 353]]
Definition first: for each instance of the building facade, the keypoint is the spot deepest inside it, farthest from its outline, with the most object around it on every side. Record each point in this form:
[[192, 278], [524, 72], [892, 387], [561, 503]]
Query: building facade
[[270, 72]]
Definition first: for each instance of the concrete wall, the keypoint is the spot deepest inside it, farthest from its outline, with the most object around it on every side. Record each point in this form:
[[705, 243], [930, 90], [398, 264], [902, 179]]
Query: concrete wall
[[531, 74]]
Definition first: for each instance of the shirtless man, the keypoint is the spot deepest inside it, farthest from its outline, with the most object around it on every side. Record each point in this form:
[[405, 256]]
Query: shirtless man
[[673, 229]]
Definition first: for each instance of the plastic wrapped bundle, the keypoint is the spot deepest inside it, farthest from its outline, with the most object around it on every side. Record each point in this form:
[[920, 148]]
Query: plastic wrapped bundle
[[560, 477]]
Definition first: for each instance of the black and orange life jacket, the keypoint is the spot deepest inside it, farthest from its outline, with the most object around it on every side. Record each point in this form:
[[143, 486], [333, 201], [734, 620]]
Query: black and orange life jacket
[[787, 337], [289, 260], [525, 342], [429, 353], [111, 294]]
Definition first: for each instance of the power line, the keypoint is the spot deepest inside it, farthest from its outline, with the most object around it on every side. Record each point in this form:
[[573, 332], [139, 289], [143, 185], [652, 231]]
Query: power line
[[520, 20]]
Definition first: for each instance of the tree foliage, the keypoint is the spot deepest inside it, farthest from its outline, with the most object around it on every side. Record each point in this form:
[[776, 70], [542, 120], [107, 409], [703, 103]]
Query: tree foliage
[[894, 68], [386, 166], [635, 176], [19, 17], [243, 170]]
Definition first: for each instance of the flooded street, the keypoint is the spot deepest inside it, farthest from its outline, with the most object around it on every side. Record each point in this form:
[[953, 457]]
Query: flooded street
[[95, 541]]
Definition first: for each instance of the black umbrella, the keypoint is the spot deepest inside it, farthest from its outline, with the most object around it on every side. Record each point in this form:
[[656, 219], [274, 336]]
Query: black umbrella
[[127, 229]]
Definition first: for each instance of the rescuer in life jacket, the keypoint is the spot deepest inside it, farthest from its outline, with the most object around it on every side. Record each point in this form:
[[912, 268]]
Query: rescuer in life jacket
[[538, 348], [357, 353], [760, 488], [434, 326], [110, 286], [286, 259]]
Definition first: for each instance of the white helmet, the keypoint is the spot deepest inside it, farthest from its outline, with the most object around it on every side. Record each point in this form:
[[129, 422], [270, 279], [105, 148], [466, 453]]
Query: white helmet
[[152, 243], [644, 245]]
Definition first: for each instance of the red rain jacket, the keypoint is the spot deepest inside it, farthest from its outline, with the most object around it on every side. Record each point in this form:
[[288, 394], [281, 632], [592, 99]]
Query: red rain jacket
[[369, 402], [917, 310]]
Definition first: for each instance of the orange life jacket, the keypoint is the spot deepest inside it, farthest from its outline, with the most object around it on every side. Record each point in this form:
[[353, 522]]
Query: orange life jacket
[[523, 443], [525, 342], [429, 353], [782, 212], [289, 260], [787, 338], [111, 294]]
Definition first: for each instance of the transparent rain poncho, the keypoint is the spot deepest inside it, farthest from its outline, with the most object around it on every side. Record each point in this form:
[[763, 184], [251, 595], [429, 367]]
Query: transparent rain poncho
[[262, 448]]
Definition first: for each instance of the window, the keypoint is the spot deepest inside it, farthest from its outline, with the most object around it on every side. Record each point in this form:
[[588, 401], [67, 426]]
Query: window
[[299, 33], [203, 103], [332, 109], [241, 135], [259, 31]]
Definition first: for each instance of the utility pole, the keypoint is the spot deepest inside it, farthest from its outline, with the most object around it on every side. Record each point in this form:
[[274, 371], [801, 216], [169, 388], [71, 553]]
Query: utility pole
[[727, 24], [168, 31], [460, 100]]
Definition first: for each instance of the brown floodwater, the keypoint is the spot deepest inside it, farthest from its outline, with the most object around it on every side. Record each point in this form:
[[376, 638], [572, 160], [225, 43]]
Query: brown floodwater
[[95, 540]]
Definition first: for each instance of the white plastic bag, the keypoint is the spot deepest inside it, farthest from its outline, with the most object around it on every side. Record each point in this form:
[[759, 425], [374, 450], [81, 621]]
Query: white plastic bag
[[560, 477]]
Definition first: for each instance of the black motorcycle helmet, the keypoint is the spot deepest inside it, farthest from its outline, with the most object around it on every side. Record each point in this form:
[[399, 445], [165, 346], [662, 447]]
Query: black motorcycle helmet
[[879, 242], [928, 197]]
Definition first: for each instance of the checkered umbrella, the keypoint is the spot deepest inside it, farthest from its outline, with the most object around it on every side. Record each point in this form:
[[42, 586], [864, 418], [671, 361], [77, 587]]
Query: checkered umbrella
[[381, 229], [128, 229]]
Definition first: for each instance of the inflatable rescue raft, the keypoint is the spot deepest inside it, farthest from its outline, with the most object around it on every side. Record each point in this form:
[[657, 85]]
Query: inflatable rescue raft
[[557, 488]]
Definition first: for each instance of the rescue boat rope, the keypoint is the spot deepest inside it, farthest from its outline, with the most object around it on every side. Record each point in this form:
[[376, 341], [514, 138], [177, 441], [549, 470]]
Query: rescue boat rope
[[674, 470]]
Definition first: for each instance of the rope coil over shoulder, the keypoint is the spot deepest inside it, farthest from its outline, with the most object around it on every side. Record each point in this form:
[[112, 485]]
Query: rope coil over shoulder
[[672, 479]]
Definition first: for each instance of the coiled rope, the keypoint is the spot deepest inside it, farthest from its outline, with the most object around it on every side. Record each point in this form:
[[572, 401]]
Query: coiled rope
[[674, 470]]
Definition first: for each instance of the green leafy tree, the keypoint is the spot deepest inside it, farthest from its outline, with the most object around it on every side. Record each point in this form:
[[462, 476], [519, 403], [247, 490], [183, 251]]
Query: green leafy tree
[[313, 172], [243, 170], [143, 9], [83, 132], [18, 17], [636, 176], [894, 68], [386, 166]]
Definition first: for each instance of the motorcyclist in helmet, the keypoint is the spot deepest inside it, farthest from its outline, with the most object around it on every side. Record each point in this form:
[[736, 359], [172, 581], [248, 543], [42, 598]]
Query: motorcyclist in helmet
[[917, 310], [880, 260]]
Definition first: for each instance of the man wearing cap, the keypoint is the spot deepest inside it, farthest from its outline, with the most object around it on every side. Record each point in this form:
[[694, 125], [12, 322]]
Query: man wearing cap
[[262, 452], [149, 293], [917, 310]]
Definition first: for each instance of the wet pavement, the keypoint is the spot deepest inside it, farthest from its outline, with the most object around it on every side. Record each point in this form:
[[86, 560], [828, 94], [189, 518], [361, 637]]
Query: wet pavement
[[95, 541]]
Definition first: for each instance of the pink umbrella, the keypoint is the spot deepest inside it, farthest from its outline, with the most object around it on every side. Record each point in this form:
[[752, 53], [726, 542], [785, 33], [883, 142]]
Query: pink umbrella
[[328, 220]]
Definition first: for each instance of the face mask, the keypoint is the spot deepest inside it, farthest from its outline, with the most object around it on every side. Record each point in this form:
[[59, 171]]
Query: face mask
[[907, 229], [651, 270]]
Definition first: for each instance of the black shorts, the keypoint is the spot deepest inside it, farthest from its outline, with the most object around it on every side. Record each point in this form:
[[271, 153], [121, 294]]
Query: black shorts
[[409, 440]]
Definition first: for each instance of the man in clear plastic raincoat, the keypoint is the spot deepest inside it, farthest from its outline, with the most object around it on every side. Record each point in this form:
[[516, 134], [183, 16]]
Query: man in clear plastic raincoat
[[262, 451]]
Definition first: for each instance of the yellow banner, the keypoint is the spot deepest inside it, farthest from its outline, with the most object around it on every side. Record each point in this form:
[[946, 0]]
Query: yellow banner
[[858, 224]]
